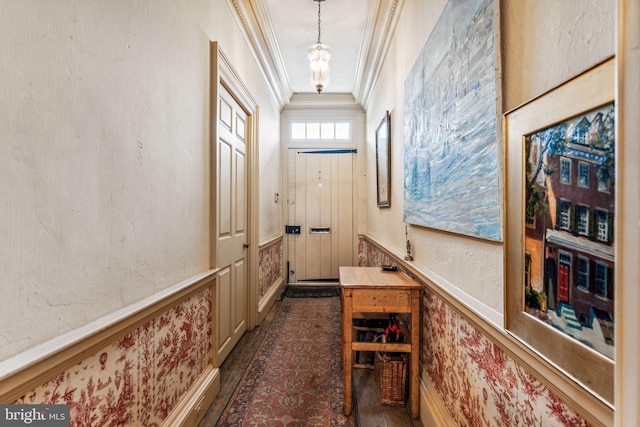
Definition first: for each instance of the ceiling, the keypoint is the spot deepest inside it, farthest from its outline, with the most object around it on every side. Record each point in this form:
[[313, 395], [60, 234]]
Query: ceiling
[[280, 32]]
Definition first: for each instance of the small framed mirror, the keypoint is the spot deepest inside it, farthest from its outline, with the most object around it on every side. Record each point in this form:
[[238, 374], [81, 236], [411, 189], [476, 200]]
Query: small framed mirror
[[383, 161]]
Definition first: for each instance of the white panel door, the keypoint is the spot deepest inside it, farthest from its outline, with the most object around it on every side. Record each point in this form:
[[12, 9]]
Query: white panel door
[[232, 225], [321, 203]]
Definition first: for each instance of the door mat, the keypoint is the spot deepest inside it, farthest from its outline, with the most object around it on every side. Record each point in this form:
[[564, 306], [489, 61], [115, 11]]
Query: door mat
[[306, 291]]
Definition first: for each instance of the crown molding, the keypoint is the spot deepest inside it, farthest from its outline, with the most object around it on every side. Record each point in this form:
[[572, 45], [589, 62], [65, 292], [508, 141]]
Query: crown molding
[[324, 102], [355, 108], [254, 21], [381, 24]]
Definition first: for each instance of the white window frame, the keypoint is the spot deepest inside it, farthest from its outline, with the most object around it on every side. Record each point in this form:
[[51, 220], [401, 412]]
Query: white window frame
[[321, 139]]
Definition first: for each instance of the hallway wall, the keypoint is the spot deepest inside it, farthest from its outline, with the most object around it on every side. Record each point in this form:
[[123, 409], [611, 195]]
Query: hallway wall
[[544, 43], [104, 155], [538, 53], [104, 164]]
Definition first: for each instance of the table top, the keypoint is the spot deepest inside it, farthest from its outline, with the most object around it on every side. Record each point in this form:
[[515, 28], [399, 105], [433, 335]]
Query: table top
[[370, 277]]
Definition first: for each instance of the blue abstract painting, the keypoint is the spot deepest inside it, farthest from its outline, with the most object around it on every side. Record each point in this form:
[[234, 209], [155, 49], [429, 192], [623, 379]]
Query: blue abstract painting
[[451, 172]]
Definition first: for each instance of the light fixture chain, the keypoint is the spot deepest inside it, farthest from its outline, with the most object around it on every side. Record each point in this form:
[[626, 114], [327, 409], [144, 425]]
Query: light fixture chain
[[319, 55], [319, 3]]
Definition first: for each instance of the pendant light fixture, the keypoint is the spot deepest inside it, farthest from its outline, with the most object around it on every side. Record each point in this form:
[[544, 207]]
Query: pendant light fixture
[[319, 55]]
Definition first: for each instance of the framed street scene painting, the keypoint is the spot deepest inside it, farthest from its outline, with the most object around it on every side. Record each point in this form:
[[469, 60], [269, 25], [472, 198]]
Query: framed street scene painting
[[560, 208]]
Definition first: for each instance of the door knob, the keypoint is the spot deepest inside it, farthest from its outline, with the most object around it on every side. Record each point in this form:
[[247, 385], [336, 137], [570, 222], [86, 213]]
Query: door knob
[[245, 245]]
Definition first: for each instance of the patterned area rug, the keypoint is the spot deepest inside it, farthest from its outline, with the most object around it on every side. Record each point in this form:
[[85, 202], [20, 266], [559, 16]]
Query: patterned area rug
[[295, 377], [307, 291]]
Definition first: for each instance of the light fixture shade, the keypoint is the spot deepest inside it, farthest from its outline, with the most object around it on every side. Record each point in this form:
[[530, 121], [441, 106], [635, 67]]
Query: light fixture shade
[[319, 74]]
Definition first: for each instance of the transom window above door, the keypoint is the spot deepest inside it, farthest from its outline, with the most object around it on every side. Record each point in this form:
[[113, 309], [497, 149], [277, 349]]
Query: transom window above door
[[324, 127], [320, 130]]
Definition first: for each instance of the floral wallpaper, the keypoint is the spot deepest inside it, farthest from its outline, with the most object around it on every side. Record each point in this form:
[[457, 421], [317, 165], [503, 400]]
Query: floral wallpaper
[[269, 267], [477, 381], [138, 379], [479, 384]]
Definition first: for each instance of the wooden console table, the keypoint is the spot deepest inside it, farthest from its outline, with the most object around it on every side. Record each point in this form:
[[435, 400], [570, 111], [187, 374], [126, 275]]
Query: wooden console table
[[371, 290]]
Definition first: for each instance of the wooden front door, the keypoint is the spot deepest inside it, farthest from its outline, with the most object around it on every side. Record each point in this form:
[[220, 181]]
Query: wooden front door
[[321, 203], [232, 178]]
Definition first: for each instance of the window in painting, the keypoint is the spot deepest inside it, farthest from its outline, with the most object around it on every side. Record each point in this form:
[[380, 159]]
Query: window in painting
[[603, 180], [601, 280], [602, 226], [564, 217], [583, 175], [583, 273], [583, 220], [565, 171]]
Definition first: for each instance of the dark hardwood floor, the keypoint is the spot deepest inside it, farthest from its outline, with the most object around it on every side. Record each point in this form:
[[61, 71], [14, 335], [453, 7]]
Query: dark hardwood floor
[[368, 412]]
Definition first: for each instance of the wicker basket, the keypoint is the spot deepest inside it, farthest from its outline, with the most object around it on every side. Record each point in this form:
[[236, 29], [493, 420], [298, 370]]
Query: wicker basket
[[391, 376]]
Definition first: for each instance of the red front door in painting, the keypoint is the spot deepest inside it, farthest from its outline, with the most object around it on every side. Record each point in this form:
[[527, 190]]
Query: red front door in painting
[[563, 283]]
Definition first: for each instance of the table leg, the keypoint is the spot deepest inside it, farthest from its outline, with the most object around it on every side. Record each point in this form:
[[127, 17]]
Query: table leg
[[414, 371], [347, 353]]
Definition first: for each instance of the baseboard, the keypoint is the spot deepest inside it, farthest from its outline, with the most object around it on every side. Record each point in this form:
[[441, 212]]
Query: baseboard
[[432, 410], [270, 298], [194, 404]]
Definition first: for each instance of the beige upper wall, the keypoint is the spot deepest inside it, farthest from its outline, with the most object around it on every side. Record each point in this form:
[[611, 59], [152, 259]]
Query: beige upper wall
[[547, 42], [544, 43], [104, 155]]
